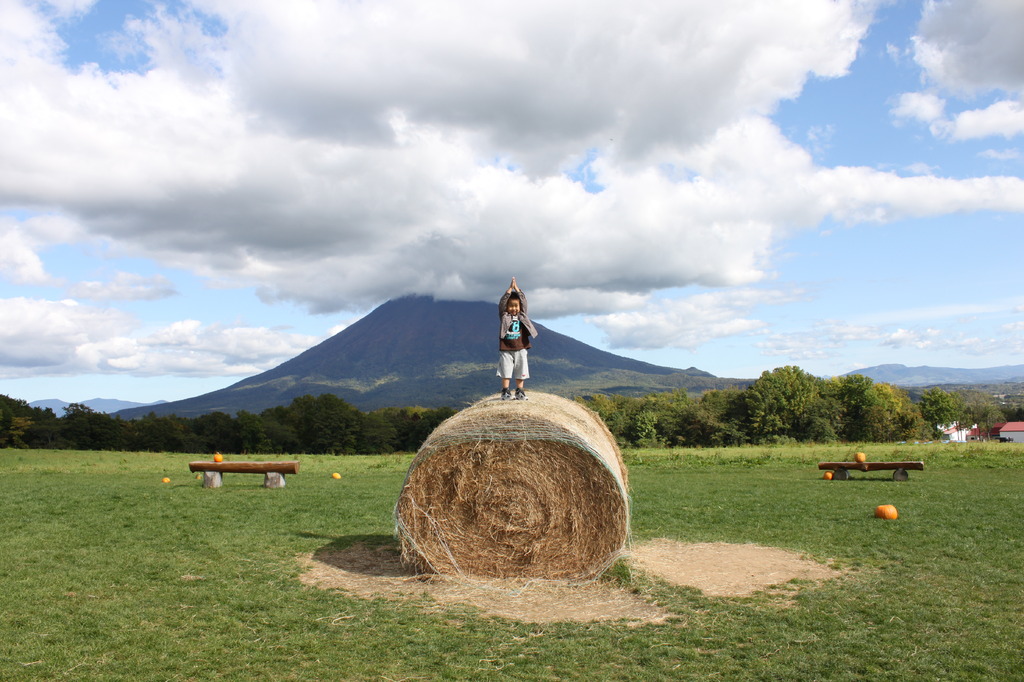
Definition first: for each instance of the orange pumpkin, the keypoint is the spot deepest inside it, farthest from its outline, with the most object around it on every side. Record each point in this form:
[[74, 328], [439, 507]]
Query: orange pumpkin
[[217, 457], [886, 511], [827, 476], [165, 480], [860, 458], [335, 475]]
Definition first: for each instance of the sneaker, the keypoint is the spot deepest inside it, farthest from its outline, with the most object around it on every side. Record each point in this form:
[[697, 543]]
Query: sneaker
[[521, 394], [506, 394]]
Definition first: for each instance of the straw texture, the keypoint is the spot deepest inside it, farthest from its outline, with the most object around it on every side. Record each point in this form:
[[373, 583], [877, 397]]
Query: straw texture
[[516, 489]]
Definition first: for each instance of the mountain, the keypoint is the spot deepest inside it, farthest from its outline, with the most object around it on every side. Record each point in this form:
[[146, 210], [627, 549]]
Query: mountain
[[901, 375], [108, 405], [419, 351]]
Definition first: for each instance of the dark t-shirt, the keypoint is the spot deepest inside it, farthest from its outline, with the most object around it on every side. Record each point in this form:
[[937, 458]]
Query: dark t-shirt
[[516, 338]]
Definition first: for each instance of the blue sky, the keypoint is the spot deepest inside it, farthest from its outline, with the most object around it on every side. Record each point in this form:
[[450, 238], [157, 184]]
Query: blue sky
[[194, 192]]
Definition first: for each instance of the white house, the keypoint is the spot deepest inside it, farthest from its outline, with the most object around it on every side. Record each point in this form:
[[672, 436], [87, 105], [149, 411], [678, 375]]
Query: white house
[[1013, 432], [957, 435]]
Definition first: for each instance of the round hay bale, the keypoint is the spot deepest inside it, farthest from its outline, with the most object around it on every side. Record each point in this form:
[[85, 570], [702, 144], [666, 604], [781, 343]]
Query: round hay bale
[[516, 489]]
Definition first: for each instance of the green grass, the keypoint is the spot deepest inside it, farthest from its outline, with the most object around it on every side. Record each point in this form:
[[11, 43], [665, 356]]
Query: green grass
[[107, 573]]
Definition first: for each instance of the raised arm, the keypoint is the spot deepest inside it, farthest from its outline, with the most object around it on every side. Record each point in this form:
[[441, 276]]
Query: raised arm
[[521, 294]]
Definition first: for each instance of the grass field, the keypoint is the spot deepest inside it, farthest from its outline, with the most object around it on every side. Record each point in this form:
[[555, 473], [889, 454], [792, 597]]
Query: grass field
[[107, 573]]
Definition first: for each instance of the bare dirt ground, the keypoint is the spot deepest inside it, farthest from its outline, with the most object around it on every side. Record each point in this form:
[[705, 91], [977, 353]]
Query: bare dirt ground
[[720, 569], [716, 569]]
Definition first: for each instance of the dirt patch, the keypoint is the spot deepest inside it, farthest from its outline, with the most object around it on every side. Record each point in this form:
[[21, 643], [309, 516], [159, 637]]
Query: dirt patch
[[378, 572], [717, 569], [720, 569]]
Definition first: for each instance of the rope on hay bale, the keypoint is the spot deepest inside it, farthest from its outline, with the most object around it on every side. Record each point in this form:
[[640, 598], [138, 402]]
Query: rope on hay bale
[[513, 489]]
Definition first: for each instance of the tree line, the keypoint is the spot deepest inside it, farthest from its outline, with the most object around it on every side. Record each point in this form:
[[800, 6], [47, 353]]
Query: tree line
[[789, 405], [323, 424], [783, 405]]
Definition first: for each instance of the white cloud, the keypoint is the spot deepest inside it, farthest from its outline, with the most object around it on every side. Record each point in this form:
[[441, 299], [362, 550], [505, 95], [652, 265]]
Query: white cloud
[[67, 8], [932, 339], [19, 262], [819, 138], [690, 322], [824, 340], [582, 301], [919, 339], [1004, 118], [22, 240], [921, 106], [970, 47], [125, 286], [190, 348], [921, 169], [835, 338], [798, 347], [339, 154], [48, 338], [1000, 154], [540, 80], [26, 34], [42, 336], [863, 195]]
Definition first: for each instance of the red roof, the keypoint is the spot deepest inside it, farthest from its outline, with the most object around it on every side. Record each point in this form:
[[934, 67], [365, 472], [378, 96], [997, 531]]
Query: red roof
[[1012, 426]]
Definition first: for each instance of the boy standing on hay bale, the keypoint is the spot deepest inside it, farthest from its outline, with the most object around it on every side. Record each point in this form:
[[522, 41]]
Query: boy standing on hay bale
[[513, 341]]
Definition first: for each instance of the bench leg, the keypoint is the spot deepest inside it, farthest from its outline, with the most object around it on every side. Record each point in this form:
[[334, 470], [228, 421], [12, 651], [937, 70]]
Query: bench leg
[[273, 480], [841, 475], [900, 475], [212, 479]]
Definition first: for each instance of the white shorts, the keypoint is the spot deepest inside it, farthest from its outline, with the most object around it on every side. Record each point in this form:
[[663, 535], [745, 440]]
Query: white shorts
[[513, 364]]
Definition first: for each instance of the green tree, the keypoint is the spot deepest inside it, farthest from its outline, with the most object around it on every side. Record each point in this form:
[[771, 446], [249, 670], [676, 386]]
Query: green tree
[[980, 409], [44, 431], [940, 408], [279, 425], [717, 419], [327, 424], [666, 408], [85, 429], [894, 416], [643, 429], [614, 411], [698, 425], [217, 432], [251, 435], [414, 424], [856, 402], [12, 427], [377, 434], [781, 404], [1014, 413], [159, 434]]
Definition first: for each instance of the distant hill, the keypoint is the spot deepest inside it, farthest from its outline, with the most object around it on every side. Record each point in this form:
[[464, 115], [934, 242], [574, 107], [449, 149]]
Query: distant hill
[[107, 405], [901, 375], [419, 351]]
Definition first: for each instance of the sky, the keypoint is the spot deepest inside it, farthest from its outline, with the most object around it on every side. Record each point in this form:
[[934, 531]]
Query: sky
[[192, 193]]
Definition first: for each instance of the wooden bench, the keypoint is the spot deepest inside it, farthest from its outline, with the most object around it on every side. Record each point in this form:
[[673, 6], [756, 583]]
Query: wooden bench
[[842, 469], [274, 472]]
